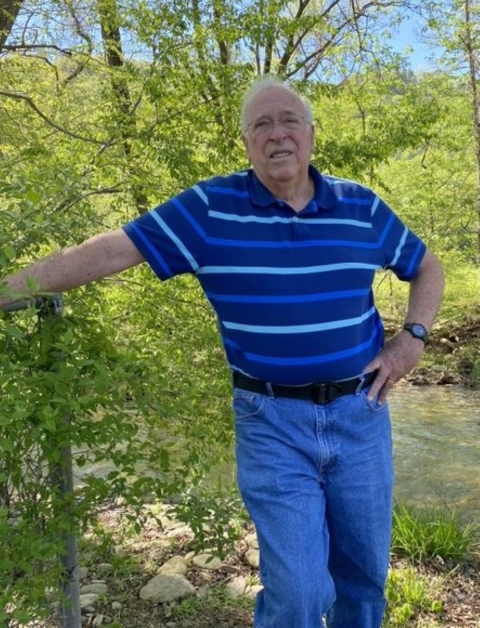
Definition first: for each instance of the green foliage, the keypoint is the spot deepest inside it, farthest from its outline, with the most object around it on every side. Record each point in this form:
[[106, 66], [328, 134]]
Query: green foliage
[[408, 594], [366, 122], [52, 383], [142, 424], [216, 520], [461, 290], [420, 534]]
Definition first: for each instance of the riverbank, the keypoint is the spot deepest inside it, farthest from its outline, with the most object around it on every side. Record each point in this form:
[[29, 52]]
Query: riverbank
[[452, 357], [151, 578]]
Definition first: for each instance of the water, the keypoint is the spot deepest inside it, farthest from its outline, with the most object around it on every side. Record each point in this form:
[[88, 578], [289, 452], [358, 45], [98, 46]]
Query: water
[[436, 432]]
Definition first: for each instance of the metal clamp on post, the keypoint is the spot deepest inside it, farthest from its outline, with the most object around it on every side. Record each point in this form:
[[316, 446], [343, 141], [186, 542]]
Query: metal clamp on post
[[51, 304]]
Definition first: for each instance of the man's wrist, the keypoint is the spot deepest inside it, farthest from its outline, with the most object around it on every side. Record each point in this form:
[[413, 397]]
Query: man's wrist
[[417, 330]]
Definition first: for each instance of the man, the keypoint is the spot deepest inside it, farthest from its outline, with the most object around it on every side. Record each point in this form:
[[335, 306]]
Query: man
[[287, 258]]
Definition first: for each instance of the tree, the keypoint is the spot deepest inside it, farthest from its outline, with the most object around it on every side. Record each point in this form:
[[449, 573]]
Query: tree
[[9, 10], [112, 43], [455, 25], [471, 42]]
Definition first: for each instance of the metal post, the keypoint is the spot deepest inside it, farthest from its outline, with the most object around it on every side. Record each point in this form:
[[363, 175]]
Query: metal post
[[61, 477]]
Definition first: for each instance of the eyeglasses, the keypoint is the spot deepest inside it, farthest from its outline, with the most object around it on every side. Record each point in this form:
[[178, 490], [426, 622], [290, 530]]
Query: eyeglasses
[[290, 122]]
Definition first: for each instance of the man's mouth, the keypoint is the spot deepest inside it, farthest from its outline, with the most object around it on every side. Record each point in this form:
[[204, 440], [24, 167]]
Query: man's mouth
[[278, 154]]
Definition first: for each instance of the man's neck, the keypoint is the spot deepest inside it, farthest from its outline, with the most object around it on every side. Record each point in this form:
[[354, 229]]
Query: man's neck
[[297, 196]]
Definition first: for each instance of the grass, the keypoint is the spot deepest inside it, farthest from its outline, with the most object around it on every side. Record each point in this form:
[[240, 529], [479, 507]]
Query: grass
[[421, 534], [215, 603]]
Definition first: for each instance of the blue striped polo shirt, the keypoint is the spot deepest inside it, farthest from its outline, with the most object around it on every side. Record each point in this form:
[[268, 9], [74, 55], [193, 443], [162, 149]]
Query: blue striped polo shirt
[[292, 290]]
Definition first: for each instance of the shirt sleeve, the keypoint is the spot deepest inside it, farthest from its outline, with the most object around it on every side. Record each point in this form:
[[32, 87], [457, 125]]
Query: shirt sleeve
[[171, 237], [403, 250]]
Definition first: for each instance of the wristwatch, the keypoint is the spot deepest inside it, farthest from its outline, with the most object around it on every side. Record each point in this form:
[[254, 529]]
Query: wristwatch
[[417, 330]]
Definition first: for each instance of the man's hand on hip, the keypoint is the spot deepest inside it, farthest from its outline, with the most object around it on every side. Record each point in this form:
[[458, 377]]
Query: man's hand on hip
[[398, 357]]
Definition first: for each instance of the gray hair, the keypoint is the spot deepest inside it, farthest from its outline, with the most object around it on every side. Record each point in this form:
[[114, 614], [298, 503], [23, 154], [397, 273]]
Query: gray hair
[[263, 84]]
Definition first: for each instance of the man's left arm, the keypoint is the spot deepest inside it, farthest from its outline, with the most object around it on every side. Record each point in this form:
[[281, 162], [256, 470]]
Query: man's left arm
[[403, 351]]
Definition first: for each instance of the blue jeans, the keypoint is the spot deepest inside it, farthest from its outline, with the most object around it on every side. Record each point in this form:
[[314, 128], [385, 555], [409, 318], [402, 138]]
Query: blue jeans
[[317, 481]]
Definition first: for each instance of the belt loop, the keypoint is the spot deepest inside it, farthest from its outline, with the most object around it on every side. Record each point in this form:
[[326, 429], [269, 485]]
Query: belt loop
[[361, 384], [269, 388], [365, 379]]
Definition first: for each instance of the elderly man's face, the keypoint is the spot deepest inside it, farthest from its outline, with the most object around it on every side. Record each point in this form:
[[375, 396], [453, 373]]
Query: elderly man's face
[[278, 139]]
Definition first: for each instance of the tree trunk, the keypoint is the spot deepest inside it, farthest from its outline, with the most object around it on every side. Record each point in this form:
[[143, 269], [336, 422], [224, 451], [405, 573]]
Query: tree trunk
[[474, 74], [110, 27], [9, 9]]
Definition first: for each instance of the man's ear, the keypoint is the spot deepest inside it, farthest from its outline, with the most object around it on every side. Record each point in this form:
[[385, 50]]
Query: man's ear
[[245, 143]]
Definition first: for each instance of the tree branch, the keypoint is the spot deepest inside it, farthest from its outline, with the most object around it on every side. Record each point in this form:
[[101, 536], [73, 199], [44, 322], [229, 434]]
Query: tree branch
[[46, 119]]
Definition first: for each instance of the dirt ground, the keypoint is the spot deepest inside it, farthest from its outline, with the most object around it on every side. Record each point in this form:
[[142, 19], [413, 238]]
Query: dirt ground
[[457, 586]]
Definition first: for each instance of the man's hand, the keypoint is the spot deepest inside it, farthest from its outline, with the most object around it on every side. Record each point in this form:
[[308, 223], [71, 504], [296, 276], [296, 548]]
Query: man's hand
[[397, 358], [98, 257]]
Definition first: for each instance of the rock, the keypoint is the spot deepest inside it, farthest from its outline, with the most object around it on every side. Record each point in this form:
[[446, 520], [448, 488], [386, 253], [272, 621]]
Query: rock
[[82, 572], [253, 558], [87, 600], [189, 557], [207, 561], [116, 606], [253, 591], [105, 567], [251, 540], [98, 588], [88, 610], [176, 565], [162, 589], [166, 521], [237, 587]]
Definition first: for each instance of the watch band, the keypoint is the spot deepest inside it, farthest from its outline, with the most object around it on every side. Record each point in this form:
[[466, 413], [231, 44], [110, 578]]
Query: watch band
[[417, 330]]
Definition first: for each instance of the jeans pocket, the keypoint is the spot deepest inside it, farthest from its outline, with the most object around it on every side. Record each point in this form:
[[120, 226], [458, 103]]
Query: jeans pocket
[[247, 404], [373, 404]]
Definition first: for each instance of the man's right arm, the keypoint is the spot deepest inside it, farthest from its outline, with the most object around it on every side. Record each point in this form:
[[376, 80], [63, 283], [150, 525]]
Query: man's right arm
[[101, 256]]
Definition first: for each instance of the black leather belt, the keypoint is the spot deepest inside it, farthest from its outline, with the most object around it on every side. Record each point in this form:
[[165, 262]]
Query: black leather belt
[[318, 392]]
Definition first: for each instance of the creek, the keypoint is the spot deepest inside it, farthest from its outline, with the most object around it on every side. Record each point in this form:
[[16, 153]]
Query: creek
[[436, 435]]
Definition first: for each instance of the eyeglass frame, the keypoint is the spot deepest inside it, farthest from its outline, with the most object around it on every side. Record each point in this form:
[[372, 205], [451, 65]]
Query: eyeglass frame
[[270, 123]]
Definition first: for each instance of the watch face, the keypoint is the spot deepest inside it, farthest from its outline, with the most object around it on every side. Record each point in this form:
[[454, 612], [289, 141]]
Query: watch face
[[418, 330]]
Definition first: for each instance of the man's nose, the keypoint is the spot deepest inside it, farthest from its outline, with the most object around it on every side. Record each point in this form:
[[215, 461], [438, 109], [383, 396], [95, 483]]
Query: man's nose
[[278, 129]]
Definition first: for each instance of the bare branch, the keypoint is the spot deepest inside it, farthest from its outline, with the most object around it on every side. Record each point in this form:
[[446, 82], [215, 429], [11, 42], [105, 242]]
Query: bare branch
[[26, 47], [46, 119], [67, 204]]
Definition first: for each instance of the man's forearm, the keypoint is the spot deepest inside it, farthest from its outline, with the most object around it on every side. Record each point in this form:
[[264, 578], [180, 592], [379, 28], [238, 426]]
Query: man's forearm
[[98, 257], [426, 292]]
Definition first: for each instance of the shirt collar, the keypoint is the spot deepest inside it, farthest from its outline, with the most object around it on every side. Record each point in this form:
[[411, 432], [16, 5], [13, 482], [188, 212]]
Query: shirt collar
[[324, 197]]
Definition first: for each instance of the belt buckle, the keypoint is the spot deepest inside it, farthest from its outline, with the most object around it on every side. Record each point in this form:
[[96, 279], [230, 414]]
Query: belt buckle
[[326, 393]]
